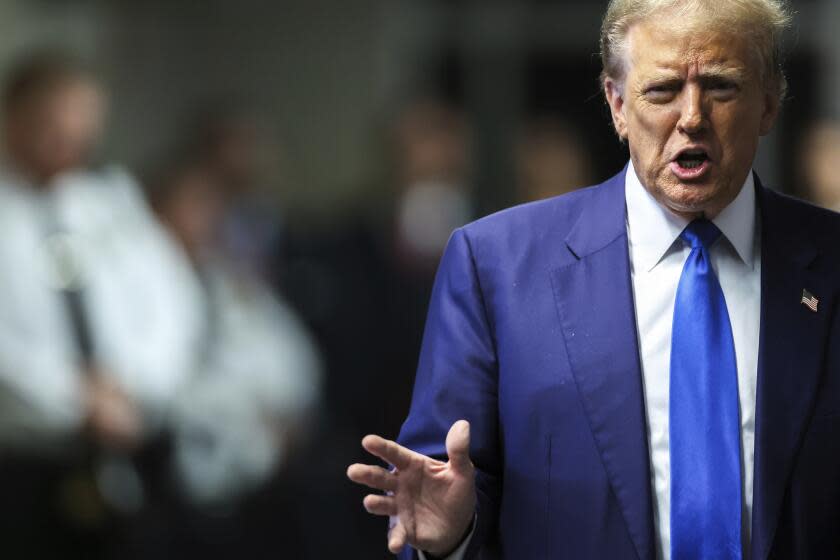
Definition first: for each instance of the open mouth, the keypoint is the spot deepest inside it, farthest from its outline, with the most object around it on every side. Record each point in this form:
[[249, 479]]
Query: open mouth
[[691, 164], [692, 159]]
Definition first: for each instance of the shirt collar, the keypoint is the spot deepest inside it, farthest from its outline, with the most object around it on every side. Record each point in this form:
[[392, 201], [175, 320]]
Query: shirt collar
[[653, 229]]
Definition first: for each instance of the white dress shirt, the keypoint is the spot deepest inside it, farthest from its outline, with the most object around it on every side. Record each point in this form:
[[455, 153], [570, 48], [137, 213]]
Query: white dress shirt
[[657, 257], [140, 322]]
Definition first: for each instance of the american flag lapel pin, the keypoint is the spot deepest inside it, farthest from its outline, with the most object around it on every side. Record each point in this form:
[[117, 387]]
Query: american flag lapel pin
[[809, 300]]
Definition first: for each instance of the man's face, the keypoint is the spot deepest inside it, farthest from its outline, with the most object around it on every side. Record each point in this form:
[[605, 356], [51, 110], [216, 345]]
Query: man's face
[[692, 107], [54, 131]]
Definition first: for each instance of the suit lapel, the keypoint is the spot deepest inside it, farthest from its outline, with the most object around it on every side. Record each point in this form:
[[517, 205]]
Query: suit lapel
[[791, 350], [595, 304]]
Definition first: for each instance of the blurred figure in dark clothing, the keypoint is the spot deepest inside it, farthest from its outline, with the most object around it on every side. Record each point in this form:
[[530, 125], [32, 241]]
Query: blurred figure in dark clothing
[[364, 286], [432, 158], [818, 158], [93, 342], [241, 156]]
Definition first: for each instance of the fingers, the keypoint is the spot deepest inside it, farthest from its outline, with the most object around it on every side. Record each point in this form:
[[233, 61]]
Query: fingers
[[458, 445], [373, 476], [380, 505], [388, 451], [396, 538]]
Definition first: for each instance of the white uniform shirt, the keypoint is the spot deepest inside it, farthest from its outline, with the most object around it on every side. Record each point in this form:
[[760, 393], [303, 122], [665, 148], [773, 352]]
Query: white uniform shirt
[[258, 379], [657, 257], [143, 328]]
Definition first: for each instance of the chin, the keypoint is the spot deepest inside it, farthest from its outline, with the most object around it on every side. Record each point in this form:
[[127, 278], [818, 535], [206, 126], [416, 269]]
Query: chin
[[689, 199]]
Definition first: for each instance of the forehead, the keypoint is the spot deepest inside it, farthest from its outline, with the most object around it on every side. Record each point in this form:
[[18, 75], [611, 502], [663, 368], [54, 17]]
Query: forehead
[[665, 44], [65, 92]]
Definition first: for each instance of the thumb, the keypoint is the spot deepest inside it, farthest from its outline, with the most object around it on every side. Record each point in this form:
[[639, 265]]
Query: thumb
[[458, 445]]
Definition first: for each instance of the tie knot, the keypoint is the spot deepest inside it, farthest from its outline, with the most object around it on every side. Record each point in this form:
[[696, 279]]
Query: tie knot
[[701, 233]]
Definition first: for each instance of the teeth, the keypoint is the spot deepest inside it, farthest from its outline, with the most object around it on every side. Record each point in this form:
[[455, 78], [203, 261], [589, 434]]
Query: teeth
[[692, 159]]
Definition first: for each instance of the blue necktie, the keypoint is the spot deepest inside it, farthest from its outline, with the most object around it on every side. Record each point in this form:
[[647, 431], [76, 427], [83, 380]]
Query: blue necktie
[[704, 422]]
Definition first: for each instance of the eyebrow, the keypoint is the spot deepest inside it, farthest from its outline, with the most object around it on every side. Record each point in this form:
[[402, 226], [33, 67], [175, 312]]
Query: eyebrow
[[723, 71], [708, 72]]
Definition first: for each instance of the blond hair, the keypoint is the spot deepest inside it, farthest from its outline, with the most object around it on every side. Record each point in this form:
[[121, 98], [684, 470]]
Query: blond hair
[[763, 21]]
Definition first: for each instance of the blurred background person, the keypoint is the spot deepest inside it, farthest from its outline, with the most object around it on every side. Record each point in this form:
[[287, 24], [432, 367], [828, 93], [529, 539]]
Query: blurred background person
[[431, 154], [819, 156], [253, 395], [362, 285], [431, 182], [551, 159], [94, 339], [238, 153]]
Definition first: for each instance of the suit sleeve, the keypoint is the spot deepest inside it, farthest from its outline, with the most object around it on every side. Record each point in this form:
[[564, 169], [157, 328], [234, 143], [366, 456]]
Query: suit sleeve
[[457, 379]]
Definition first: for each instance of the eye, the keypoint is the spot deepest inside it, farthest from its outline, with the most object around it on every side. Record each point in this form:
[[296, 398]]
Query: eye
[[723, 88], [661, 93]]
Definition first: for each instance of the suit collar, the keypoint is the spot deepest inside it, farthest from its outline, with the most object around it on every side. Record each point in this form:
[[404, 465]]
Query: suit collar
[[738, 221], [654, 230], [602, 221]]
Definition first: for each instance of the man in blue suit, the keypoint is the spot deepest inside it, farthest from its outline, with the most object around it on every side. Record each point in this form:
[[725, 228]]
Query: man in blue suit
[[648, 368]]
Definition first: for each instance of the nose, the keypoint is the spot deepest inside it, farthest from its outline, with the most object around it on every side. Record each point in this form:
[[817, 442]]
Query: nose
[[692, 114]]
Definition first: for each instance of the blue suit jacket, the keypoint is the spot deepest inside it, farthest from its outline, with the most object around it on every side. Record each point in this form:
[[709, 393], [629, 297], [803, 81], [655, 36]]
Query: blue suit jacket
[[531, 336]]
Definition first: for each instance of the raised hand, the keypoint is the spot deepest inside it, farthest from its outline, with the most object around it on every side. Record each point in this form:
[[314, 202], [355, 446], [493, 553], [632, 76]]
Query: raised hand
[[431, 503]]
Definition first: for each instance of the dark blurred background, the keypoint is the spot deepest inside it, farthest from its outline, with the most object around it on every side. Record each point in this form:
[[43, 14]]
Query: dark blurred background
[[307, 160]]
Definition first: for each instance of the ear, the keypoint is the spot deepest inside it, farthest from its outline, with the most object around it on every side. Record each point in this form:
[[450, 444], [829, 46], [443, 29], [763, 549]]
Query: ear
[[772, 104], [616, 102]]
